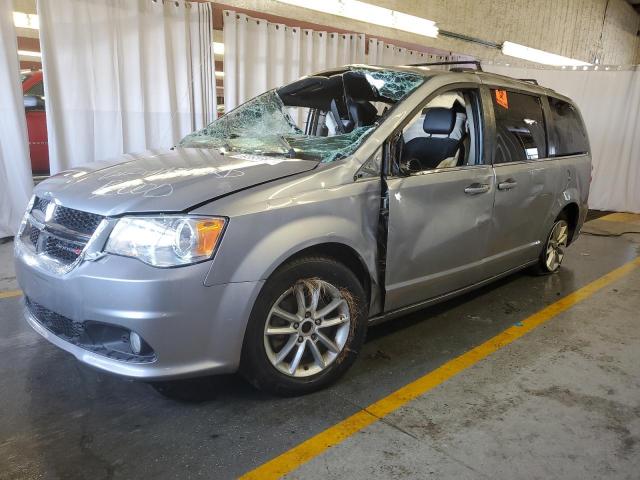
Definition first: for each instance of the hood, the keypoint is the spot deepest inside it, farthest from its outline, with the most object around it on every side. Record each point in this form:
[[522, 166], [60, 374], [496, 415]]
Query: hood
[[170, 181]]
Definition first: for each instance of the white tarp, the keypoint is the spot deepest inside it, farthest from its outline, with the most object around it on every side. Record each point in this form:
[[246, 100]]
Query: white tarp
[[610, 104], [15, 166], [124, 75]]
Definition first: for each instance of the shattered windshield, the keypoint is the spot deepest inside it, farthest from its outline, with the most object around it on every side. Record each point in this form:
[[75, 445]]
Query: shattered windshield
[[321, 118]]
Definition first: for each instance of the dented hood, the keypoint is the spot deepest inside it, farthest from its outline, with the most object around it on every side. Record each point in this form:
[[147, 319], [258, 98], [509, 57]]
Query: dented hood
[[170, 181]]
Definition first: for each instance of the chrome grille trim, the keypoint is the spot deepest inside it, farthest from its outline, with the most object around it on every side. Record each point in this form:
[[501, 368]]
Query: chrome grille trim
[[54, 228], [63, 233], [56, 237], [40, 204]]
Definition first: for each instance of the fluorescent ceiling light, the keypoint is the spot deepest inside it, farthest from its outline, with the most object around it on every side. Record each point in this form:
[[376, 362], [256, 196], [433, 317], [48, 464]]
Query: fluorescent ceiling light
[[365, 12], [26, 20], [218, 48], [27, 53], [539, 56], [219, 74]]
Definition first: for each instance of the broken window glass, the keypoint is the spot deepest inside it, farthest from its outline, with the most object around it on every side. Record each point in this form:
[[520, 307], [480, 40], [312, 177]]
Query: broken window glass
[[322, 118], [392, 84], [256, 126]]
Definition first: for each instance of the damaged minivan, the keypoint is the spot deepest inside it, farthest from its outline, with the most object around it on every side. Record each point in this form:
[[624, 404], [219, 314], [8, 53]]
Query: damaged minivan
[[269, 241]]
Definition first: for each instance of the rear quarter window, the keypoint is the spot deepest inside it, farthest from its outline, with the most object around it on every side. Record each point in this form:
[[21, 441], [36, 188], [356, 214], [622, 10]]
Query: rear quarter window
[[566, 130]]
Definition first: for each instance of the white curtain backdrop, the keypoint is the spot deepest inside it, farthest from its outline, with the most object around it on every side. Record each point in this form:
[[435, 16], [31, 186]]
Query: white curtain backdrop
[[260, 55], [382, 53], [610, 104], [124, 75], [15, 170]]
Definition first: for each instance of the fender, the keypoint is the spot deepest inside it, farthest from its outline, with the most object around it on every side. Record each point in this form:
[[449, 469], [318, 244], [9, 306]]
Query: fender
[[570, 195], [282, 232]]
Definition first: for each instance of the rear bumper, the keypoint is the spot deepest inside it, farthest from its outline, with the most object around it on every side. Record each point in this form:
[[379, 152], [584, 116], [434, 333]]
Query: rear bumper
[[193, 329]]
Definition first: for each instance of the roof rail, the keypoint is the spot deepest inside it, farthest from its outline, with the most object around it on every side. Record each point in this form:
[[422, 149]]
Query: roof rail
[[529, 80], [462, 62]]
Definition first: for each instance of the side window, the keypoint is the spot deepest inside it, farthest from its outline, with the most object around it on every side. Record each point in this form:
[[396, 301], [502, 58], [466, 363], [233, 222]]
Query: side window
[[567, 129], [299, 116], [443, 134], [520, 130]]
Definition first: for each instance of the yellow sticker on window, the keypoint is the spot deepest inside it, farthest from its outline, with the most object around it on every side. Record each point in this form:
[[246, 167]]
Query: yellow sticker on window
[[501, 98]]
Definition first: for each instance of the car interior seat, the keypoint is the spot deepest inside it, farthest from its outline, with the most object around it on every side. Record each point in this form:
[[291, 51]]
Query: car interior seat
[[358, 94], [361, 113], [430, 151], [460, 132]]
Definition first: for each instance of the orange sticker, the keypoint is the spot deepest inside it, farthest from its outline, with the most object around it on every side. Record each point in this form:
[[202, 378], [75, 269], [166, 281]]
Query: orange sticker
[[501, 98]]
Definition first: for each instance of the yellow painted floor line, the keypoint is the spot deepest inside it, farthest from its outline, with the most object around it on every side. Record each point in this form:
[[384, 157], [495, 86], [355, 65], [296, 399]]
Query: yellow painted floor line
[[622, 217], [313, 447], [10, 293]]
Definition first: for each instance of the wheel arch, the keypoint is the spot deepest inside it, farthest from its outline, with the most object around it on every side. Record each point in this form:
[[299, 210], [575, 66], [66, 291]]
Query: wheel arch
[[340, 252], [335, 250], [571, 211], [262, 371]]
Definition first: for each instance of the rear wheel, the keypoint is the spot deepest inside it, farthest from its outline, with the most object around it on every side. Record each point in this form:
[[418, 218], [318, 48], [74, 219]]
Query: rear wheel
[[306, 327], [553, 252]]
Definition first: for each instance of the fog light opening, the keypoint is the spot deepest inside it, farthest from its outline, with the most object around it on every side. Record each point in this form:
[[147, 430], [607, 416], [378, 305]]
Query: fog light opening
[[136, 343]]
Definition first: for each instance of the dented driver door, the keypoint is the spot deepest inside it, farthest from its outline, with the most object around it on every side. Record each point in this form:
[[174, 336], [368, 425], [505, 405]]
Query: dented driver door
[[439, 225]]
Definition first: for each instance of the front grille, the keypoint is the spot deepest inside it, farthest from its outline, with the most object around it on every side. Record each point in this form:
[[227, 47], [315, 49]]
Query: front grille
[[82, 222], [61, 326], [62, 250], [34, 234], [56, 232]]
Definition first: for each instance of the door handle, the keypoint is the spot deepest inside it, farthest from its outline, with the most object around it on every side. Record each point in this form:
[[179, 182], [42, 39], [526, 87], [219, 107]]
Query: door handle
[[507, 185], [476, 188]]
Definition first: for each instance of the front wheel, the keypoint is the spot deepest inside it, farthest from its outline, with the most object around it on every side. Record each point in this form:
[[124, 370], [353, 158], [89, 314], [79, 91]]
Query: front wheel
[[306, 327], [553, 252]]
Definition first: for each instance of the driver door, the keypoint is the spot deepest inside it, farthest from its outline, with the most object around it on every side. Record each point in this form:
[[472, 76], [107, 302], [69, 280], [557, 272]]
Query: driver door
[[439, 218]]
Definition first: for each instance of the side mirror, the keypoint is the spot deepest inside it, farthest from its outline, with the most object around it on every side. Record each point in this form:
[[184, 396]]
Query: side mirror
[[33, 102]]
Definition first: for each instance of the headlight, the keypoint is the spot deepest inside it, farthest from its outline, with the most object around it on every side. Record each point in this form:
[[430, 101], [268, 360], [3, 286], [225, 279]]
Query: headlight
[[166, 241]]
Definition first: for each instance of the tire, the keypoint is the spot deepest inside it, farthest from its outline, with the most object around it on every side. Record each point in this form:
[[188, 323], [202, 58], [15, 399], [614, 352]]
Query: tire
[[285, 350], [552, 253]]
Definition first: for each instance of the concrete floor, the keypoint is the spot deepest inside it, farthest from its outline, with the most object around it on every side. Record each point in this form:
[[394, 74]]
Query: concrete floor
[[563, 401]]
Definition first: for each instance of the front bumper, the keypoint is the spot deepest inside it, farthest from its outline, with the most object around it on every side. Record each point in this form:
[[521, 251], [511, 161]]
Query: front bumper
[[193, 329]]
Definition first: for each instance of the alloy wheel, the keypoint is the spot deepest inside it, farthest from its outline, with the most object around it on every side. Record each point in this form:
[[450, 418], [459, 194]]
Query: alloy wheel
[[556, 245], [307, 328]]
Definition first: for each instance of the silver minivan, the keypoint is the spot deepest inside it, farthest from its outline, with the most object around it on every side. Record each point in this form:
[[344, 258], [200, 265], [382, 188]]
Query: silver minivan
[[270, 240]]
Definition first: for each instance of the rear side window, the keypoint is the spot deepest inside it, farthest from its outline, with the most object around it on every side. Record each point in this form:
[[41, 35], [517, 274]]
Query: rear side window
[[520, 130], [567, 130]]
